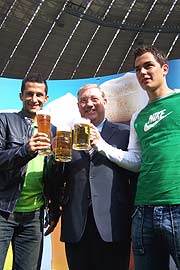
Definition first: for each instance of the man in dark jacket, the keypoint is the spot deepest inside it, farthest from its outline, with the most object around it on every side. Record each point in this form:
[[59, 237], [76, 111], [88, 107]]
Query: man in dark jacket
[[96, 218], [21, 178]]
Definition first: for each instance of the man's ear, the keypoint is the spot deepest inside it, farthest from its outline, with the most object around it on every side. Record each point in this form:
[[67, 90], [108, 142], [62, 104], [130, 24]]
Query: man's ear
[[20, 96], [105, 101], [46, 99], [165, 69]]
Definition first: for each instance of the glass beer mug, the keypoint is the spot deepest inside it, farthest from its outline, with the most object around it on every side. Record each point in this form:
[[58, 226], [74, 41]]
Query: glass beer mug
[[44, 126], [81, 136], [63, 144]]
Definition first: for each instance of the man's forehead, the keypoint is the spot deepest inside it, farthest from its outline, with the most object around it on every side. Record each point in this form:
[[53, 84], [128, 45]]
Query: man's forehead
[[143, 63], [34, 86], [90, 92]]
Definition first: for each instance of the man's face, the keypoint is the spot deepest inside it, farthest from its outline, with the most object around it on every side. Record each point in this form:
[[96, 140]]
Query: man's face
[[150, 74], [33, 98], [92, 105]]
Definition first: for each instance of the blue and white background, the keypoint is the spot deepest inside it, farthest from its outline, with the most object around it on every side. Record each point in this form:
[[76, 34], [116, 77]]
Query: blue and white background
[[124, 97]]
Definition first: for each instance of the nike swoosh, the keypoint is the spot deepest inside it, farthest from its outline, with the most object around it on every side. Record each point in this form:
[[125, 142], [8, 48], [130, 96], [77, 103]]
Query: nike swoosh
[[148, 127]]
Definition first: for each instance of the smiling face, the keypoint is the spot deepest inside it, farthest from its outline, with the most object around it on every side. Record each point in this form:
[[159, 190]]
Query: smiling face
[[150, 74], [91, 104], [33, 98]]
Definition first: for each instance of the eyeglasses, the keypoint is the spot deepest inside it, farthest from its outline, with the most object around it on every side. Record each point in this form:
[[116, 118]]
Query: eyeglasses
[[85, 100]]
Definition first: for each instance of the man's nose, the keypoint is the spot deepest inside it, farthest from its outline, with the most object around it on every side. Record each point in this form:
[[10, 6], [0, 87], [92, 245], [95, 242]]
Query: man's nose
[[143, 70], [34, 98], [89, 102]]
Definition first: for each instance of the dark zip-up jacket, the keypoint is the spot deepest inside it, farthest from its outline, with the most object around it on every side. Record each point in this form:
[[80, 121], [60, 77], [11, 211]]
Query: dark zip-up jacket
[[15, 132]]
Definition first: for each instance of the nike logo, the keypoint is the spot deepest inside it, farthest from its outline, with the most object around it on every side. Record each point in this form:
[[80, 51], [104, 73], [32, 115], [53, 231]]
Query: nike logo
[[154, 119]]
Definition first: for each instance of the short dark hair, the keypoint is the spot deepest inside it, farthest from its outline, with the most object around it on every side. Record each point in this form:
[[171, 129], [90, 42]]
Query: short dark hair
[[158, 54], [34, 77]]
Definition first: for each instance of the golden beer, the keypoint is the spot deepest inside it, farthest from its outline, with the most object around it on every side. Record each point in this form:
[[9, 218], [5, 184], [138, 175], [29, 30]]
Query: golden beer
[[63, 146], [43, 122], [81, 136]]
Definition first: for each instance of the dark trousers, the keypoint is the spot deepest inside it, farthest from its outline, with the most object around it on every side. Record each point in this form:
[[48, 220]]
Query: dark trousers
[[92, 253]]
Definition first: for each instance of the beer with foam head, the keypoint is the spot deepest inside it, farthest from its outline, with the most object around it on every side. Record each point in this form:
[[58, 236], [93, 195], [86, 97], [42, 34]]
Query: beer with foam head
[[63, 145], [81, 136], [43, 122]]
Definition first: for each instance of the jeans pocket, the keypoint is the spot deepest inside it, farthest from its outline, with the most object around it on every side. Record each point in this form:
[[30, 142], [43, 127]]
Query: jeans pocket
[[134, 212], [137, 231], [174, 232]]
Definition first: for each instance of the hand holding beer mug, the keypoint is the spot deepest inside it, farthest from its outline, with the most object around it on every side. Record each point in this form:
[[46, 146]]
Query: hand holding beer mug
[[63, 144], [81, 137], [43, 122]]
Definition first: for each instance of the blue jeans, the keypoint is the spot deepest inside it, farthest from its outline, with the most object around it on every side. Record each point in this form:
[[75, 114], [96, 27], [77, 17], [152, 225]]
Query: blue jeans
[[25, 232], [152, 223]]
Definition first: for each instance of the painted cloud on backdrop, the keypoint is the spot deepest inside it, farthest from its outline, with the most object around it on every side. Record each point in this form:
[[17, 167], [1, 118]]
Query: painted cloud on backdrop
[[63, 110], [125, 96]]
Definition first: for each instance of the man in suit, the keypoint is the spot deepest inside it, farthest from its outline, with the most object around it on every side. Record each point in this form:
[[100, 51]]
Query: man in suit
[[96, 219]]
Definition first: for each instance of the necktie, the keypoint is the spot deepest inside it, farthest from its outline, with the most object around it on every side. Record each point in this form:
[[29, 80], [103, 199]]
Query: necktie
[[91, 151]]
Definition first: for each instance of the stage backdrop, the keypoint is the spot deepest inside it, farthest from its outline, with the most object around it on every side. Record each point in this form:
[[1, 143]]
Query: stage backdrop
[[125, 96]]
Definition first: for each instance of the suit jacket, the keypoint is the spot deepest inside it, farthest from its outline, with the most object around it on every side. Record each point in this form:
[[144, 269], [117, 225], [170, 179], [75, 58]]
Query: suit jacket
[[102, 183]]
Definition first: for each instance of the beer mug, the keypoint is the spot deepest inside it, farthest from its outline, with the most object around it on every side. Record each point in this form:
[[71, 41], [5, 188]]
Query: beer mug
[[81, 135], [63, 144], [43, 122]]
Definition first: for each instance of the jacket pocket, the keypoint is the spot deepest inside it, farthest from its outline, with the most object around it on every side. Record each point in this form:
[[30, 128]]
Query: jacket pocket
[[13, 141]]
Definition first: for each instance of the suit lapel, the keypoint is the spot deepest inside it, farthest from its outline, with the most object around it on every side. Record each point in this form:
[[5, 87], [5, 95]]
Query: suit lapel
[[107, 131]]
